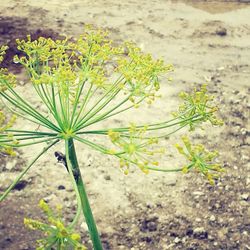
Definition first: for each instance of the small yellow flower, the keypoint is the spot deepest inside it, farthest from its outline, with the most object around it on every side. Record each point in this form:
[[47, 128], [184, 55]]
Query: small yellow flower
[[184, 170], [114, 136], [200, 159], [44, 206], [180, 149], [75, 236]]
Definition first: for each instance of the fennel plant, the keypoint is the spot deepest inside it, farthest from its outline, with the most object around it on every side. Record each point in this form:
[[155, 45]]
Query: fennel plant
[[85, 82]]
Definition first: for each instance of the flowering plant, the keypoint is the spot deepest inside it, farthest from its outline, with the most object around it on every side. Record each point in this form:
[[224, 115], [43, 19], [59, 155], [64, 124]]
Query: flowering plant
[[57, 234], [84, 82]]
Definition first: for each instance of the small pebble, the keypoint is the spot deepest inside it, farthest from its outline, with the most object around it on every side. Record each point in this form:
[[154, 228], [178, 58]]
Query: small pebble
[[61, 187], [152, 226], [200, 233], [221, 31], [20, 185], [245, 196], [198, 220], [197, 193], [107, 177], [177, 240], [212, 218]]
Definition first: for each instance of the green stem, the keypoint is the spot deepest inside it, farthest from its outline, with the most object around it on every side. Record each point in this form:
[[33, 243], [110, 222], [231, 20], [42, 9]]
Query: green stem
[[23, 138], [92, 144], [78, 213], [73, 164], [150, 127], [26, 133], [169, 170], [99, 118], [76, 101], [14, 145], [21, 104], [27, 110], [113, 91]]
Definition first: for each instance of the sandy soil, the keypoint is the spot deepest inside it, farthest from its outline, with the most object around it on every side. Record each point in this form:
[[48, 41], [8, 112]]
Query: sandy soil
[[206, 43]]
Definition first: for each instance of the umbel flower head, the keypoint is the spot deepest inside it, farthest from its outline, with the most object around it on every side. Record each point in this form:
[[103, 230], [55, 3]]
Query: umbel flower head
[[141, 73], [56, 233], [86, 81], [5, 76], [198, 104], [134, 148], [200, 159], [68, 76], [4, 125]]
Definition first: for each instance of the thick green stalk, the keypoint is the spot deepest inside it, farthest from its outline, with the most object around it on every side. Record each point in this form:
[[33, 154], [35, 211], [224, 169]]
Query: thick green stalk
[[73, 164]]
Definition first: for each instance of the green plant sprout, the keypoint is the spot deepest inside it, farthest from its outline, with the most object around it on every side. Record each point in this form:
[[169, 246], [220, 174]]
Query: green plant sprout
[[84, 82]]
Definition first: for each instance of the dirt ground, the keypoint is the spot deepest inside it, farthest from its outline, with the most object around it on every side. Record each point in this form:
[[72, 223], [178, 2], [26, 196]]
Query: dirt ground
[[207, 42]]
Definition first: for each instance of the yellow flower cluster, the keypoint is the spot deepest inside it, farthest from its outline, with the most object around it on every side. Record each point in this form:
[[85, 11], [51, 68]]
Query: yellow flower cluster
[[64, 62], [4, 124], [197, 108], [95, 47], [57, 234], [2, 52], [49, 62], [141, 73], [134, 148], [200, 158], [6, 78], [42, 50], [97, 51], [95, 58]]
